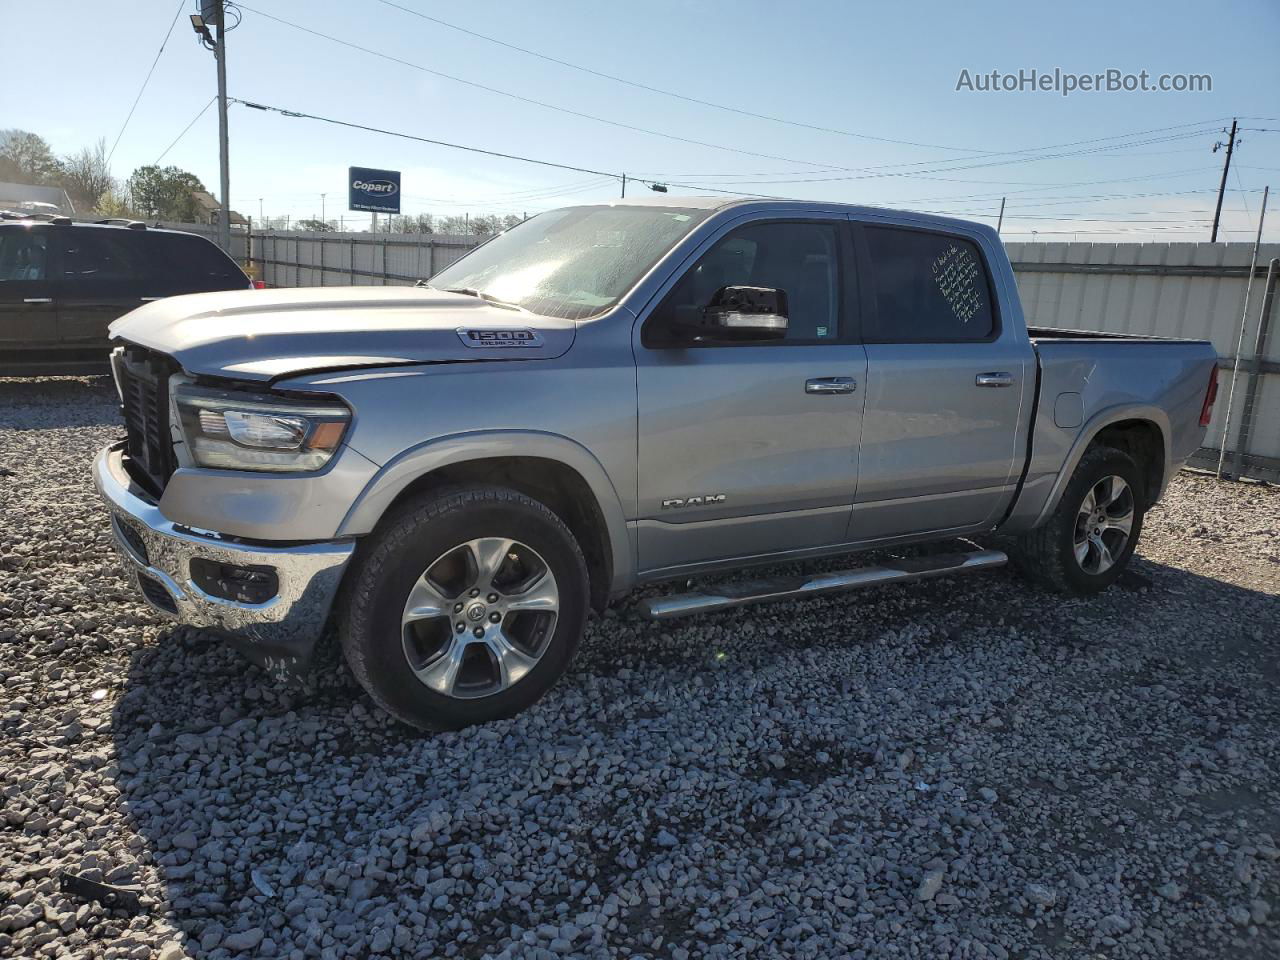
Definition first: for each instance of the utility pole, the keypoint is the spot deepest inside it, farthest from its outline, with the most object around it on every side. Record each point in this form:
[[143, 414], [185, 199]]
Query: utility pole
[[1000, 220], [1222, 184], [224, 157], [322, 196], [624, 186], [261, 218]]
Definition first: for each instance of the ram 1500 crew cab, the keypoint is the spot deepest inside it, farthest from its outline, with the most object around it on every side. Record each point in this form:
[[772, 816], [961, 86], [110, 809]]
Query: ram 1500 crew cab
[[609, 395]]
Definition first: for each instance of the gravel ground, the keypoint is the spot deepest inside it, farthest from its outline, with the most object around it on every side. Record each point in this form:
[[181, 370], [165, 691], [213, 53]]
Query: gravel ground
[[965, 768]]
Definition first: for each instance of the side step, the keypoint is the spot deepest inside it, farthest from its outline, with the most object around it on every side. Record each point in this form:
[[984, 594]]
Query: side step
[[790, 588]]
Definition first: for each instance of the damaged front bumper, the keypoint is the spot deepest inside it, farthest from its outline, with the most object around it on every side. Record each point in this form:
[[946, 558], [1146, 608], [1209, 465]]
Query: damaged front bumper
[[270, 601]]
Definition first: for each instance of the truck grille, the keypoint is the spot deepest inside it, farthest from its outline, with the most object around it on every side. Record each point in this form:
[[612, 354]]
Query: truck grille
[[143, 377]]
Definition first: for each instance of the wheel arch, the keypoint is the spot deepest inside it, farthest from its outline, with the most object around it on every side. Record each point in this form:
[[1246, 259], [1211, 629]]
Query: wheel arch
[[550, 468], [1140, 431]]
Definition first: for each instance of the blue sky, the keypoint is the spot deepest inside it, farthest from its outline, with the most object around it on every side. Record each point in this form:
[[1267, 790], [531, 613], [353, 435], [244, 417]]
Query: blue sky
[[883, 70]]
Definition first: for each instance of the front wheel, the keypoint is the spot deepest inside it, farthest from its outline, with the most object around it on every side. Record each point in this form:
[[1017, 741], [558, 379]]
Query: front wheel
[[466, 606], [1087, 542]]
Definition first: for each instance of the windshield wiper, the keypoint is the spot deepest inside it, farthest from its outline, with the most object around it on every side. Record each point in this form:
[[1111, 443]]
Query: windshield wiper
[[489, 297]]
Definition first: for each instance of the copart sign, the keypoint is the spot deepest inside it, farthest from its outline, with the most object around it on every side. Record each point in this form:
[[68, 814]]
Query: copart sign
[[377, 191]]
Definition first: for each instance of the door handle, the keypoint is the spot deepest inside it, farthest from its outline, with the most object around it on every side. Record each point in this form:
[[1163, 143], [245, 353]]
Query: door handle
[[37, 299], [999, 379], [830, 385]]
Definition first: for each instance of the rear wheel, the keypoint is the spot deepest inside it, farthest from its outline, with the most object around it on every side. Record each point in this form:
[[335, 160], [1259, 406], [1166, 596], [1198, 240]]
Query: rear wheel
[[1089, 539], [467, 606]]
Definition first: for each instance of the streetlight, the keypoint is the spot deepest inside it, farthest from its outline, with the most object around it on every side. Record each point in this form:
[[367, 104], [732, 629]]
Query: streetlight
[[218, 44]]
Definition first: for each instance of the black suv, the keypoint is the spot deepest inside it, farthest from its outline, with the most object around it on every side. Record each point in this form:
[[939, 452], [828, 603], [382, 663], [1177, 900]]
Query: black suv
[[63, 282]]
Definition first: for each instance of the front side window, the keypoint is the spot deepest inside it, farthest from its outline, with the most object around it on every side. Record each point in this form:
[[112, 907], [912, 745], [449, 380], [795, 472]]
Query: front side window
[[24, 255], [571, 263], [928, 287], [90, 255], [800, 259]]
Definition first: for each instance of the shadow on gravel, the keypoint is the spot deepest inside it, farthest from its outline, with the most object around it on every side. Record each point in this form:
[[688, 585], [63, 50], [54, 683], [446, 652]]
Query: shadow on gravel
[[1131, 741]]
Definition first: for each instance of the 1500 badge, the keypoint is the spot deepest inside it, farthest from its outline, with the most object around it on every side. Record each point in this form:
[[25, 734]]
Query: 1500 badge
[[703, 501], [482, 339]]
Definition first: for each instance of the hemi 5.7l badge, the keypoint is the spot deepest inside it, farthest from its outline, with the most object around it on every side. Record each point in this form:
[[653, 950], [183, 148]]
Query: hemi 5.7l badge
[[482, 339]]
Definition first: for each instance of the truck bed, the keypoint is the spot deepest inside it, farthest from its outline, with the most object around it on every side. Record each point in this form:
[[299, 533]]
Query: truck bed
[[1038, 334], [1084, 377]]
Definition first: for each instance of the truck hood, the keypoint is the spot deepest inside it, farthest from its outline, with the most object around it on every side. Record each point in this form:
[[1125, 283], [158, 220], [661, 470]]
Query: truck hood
[[267, 334]]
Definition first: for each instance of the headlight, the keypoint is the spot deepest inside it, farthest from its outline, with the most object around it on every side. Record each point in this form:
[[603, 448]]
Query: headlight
[[237, 431]]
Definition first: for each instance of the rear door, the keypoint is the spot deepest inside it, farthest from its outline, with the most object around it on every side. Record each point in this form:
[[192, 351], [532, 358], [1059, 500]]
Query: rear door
[[946, 380], [749, 449], [103, 278], [28, 315], [185, 263]]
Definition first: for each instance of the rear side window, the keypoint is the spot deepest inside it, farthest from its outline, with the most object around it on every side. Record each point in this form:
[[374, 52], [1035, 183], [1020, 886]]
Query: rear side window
[[928, 287], [24, 254], [92, 255], [190, 261]]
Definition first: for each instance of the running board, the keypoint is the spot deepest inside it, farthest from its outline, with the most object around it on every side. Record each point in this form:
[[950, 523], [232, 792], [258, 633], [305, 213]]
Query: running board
[[791, 588]]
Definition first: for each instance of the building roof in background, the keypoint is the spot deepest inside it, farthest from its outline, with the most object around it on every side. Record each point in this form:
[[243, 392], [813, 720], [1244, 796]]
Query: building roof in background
[[13, 196], [209, 207]]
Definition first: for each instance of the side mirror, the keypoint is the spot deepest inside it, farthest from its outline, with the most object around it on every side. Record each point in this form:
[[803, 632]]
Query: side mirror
[[746, 313]]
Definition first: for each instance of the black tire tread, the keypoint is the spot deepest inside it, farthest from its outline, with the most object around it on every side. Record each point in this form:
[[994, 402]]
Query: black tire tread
[[392, 533], [1036, 554]]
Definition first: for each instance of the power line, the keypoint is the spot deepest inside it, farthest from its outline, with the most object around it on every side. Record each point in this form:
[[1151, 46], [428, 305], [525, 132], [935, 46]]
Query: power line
[[703, 143], [409, 136], [529, 100], [671, 93], [168, 33], [185, 129]]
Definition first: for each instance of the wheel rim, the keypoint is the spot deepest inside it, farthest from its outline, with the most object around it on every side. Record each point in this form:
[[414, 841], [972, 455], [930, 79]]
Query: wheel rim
[[1103, 525], [479, 618]]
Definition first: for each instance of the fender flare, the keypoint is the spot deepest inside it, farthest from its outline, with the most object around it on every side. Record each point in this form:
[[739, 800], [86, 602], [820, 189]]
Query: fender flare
[[395, 476], [1089, 432]]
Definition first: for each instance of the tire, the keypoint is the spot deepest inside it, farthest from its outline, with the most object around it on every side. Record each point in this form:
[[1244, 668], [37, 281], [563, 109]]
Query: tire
[[425, 662], [1049, 554]]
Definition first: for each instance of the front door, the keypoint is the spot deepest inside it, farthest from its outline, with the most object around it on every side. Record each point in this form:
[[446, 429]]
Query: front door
[[751, 449], [27, 309], [945, 388]]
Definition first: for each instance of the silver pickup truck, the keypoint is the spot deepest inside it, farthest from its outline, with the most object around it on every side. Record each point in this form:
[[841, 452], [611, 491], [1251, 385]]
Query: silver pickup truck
[[612, 395]]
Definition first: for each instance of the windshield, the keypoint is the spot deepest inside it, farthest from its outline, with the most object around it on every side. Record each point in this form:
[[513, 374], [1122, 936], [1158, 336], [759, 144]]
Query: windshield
[[570, 263]]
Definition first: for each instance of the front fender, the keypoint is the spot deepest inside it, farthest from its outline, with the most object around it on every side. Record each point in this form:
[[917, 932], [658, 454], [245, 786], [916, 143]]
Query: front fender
[[418, 461]]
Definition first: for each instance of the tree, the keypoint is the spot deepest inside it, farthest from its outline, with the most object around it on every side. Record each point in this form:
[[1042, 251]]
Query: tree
[[27, 158], [114, 202], [316, 226], [87, 176], [165, 193], [413, 223], [511, 220], [486, 224]]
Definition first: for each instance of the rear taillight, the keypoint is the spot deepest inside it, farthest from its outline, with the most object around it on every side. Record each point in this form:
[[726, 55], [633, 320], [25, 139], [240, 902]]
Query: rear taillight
[[1210, 395], [258, 284]]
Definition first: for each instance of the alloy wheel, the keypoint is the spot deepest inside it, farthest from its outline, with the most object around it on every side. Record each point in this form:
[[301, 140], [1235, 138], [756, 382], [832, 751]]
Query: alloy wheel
[[1103, 525], [480, 617]]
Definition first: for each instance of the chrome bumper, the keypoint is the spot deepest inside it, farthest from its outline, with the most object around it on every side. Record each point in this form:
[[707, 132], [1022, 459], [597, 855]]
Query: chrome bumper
[[278, 634]]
